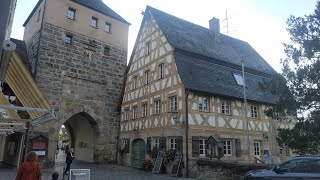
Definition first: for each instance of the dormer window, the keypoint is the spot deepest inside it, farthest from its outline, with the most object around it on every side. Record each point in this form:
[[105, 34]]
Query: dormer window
[[107, 27], [239, 79], [71, 13], [94, 22]]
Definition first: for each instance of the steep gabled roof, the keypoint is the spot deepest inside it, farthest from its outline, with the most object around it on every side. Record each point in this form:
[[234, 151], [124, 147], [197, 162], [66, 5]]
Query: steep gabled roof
[[206, 64], [196, 39], [96, 5], [99, 6]]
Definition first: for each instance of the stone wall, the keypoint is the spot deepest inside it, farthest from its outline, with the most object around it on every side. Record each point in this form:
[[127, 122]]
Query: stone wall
[[80, 77], [221, 170]]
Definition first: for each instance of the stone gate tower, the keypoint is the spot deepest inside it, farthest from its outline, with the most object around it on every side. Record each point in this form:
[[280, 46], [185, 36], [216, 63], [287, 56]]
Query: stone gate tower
[[78, 53]]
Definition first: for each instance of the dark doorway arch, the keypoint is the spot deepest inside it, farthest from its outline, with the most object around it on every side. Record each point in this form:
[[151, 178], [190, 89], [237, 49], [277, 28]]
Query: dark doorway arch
[[138, 153], [83, 131]]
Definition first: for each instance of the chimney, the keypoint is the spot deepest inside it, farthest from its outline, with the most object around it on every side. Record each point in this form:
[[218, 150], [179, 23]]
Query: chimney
[[214, 26]]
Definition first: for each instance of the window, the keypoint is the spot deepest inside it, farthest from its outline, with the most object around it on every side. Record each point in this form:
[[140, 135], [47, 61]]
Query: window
[[157, 107], [173, 143], [173, 106], [161, 71], [106, 50], [202, 147], [203, 104], [238, 79], [39, 13], [227, 148], [257, 148], [147, 77], [254, 111], [225, 107], [71, 13], [135, 112], [126, 115], [156, 143], [94, 22], [107, 27], [148, 45], [68, 39], [144, 110], [135, 82]]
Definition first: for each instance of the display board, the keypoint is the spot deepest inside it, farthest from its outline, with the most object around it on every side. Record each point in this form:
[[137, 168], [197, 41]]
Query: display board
[[158, 163], [79, 174], [176, 164]]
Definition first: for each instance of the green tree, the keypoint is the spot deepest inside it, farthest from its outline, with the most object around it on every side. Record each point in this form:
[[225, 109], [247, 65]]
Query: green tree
[[301, 69]]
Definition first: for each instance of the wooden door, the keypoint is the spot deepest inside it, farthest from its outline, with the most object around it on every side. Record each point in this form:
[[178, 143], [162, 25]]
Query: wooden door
[[138, 153]]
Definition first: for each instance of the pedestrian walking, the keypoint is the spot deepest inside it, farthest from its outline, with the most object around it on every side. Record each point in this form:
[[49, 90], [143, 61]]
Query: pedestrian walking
[[30, 169], [69, 159]]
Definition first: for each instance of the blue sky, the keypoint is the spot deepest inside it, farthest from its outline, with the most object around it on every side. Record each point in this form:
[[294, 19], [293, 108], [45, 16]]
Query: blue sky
[[259, 22]]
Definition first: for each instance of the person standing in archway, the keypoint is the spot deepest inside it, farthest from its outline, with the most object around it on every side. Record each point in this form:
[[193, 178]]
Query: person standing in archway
[[30, 169], [69, 159]]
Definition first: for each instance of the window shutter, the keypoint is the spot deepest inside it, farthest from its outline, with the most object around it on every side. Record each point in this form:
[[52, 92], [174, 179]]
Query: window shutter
[[128, 146], [195, 146], [148, 145], [238, 148], [180, 144], [162, 143]]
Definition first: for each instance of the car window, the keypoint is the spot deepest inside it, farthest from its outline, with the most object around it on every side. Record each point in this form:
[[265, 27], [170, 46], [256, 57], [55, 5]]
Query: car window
[[295, 166], [314, 166]]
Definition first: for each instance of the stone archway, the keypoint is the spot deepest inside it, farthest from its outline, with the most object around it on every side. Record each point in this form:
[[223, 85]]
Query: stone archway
[[138, 153], [83, 130]]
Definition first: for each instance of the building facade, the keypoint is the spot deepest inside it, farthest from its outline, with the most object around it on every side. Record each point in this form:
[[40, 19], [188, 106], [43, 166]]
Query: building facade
[[77, 51], [184, 77]]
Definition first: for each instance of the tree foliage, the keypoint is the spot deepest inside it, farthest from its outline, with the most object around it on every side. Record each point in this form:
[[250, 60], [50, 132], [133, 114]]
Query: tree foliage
[[301, 68]]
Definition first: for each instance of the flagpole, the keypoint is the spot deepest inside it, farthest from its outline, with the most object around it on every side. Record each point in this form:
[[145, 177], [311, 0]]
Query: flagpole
[[246, 113]]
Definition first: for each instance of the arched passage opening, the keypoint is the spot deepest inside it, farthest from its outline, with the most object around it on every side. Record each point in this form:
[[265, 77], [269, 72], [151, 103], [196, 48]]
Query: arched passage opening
[[138, 153], [82, 131]]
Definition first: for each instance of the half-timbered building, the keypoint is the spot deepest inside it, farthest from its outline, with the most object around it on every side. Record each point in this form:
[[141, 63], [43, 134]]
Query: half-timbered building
[[184, 84]]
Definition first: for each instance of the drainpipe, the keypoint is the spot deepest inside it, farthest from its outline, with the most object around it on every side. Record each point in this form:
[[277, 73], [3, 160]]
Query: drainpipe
[[187, 135]]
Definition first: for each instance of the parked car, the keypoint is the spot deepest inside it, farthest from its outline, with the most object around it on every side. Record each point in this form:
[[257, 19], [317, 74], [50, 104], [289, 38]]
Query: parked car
[[300, 167]]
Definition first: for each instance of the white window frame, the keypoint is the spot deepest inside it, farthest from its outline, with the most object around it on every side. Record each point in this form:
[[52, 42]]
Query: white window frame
[[203, 104], [144, 110], [156, 143], [173, 143], [148, 46], [94, 22], [107, 27], [71, 13], [173, 103], [257, 148], [225, 107], [135, 82], [147, 77], [254, 111], [157, 107], [126, 114], [202, 147], [227, 147], [68, 39], [135, 112], [161, 71]]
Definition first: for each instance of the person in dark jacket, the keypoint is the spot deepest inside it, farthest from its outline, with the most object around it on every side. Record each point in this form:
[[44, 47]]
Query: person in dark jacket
[[69, 159]]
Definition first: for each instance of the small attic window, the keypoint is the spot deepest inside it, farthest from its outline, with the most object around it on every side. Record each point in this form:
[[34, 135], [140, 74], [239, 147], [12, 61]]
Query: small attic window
[[239, 79]]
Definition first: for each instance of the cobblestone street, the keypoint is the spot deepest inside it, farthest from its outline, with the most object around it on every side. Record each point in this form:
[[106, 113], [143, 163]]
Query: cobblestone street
[[98, 172]]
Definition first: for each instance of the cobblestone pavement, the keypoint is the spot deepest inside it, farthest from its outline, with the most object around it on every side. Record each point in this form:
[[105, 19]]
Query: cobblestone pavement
[[98, 172]]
